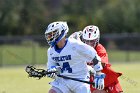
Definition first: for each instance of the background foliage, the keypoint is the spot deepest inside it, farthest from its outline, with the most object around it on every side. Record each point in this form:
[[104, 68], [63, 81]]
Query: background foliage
[[26, 17]]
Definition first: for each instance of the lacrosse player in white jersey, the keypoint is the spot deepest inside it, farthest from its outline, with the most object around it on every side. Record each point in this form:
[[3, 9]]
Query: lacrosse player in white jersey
[[71, 56]]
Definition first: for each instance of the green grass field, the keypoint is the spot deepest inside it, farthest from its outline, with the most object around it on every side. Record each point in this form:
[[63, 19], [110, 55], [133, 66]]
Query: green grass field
[[15, 80], [28, 54]]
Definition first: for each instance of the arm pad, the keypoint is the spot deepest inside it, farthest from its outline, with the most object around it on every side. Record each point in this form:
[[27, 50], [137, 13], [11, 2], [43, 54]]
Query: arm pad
[[97, 63], [98, 67]]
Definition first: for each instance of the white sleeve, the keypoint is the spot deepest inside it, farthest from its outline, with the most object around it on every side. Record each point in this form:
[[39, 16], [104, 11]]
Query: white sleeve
[[76, 35], [86, 51], [90, 54], [50, 61]]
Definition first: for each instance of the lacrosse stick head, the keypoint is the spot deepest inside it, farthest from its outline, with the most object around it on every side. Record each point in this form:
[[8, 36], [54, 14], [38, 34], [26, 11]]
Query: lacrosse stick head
[[33, 72]]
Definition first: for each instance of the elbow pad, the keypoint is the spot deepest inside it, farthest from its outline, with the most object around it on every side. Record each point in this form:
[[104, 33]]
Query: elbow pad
[[98, 67], [97, 63]]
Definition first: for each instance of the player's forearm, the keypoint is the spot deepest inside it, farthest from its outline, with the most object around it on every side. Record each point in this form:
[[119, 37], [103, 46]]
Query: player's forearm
[[97, 63]]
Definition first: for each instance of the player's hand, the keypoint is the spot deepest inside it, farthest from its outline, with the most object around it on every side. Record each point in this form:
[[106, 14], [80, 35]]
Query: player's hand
[[99, 80], [52, 75]]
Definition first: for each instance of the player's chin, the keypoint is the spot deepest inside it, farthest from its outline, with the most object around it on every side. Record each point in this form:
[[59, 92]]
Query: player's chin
[[99, 91]]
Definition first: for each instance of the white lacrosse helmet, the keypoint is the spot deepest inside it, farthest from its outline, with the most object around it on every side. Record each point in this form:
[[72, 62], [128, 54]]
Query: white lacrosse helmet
[[55, 32], [91, 35]]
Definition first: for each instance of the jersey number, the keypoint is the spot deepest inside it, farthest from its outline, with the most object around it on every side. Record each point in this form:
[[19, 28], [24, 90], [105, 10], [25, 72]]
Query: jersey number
[[66, 67]]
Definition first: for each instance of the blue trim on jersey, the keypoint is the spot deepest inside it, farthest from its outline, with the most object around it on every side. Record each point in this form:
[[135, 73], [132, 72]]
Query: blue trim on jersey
[[58, 50]]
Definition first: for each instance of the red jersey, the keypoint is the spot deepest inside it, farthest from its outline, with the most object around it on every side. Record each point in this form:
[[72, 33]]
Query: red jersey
[[111, 76], [101, 51]]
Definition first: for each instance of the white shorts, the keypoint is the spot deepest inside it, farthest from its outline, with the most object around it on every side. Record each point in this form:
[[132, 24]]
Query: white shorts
[[71, 86]]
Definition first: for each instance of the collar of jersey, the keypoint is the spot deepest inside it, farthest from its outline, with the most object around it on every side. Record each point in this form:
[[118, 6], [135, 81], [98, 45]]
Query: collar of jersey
[[58, 50]]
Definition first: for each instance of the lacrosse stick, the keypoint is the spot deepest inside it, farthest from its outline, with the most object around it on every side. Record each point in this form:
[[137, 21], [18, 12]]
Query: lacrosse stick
[[36, 73], [39, 73], [75, 79]]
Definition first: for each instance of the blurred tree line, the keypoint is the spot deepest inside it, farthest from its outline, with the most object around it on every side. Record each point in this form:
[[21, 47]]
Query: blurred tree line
[[30, 17]]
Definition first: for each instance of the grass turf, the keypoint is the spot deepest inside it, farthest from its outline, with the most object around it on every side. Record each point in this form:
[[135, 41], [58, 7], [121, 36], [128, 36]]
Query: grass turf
[[35, 54], [15, 80]]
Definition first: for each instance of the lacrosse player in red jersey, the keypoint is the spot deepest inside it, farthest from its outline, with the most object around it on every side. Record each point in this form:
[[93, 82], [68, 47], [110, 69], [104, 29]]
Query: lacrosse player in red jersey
[[72, 57], [91, 35]]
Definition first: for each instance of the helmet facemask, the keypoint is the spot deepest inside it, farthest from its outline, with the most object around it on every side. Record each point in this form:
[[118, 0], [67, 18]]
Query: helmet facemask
[[52, 36], [91, 42]]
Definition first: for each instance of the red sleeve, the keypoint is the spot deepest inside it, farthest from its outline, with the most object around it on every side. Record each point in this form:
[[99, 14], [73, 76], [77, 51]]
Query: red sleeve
[[101, 51]]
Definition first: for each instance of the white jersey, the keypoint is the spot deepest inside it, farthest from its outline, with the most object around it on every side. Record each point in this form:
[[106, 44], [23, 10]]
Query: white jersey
[[72, 58]]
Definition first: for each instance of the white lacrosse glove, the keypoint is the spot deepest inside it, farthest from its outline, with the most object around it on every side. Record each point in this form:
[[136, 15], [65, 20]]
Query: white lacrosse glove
[[99, 80], [52, 75]]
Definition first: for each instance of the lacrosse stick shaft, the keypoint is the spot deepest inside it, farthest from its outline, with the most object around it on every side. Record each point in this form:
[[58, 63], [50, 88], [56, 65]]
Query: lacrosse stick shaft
[[50, 72], [75, 79]]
